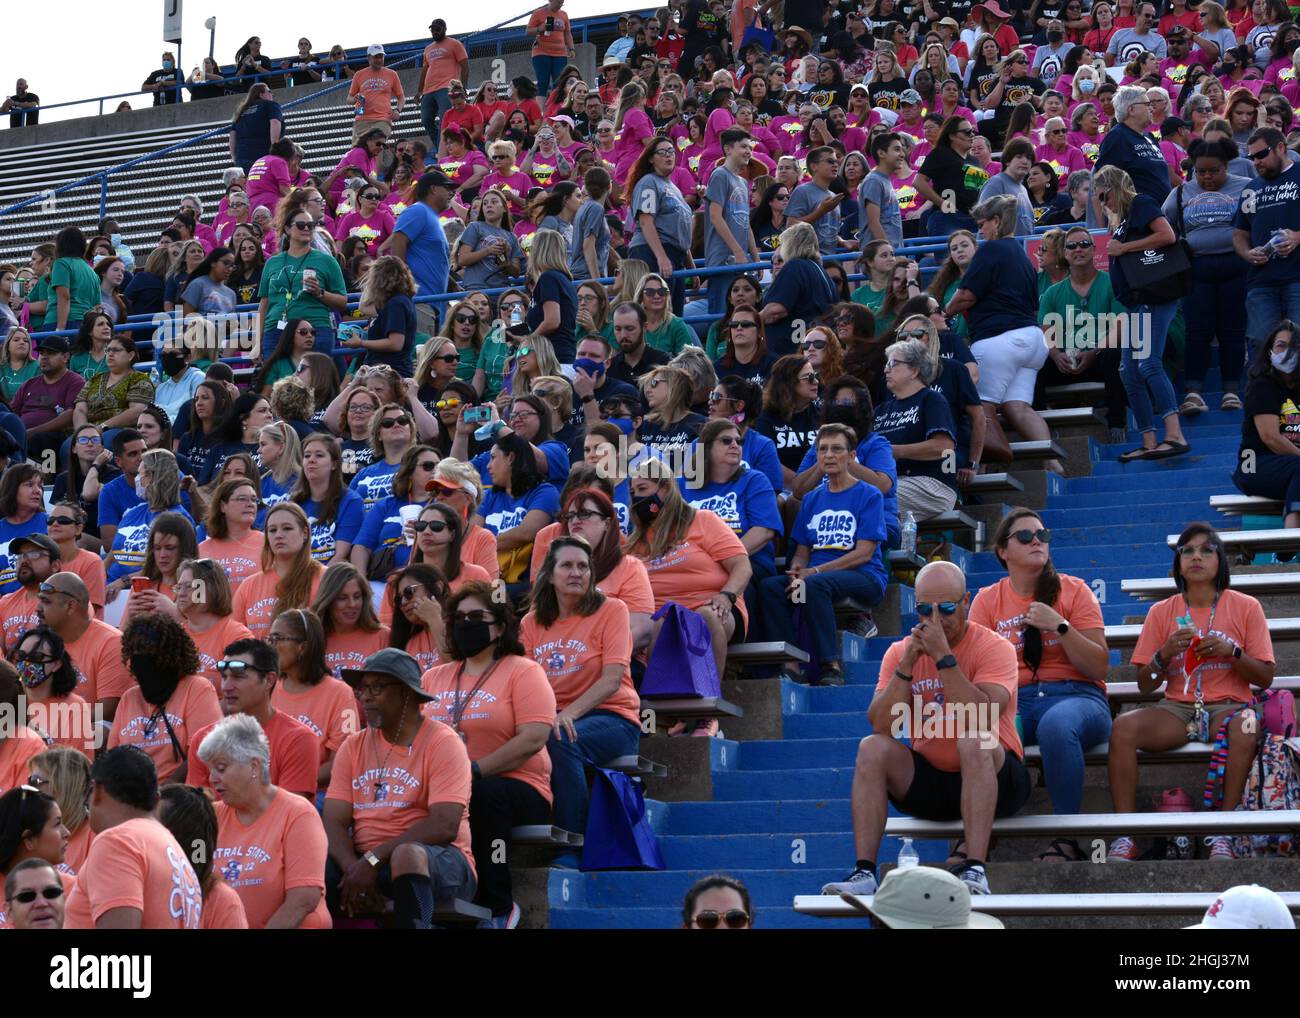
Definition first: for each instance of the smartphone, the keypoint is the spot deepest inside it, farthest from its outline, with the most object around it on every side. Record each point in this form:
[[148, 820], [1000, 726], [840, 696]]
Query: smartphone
[[478, 415], [140, 583]]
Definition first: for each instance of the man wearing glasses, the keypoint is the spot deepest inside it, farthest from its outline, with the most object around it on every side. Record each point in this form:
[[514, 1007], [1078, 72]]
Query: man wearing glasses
[[248, 673], [37, 558], [374, 89], [1130, 43], [34, 898], [815, 202], [95, 647], [396, 813], [950, 685], [1268, 205]]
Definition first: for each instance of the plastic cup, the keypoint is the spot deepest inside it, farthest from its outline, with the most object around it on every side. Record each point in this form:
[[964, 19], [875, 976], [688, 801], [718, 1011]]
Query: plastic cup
[[409, 514]]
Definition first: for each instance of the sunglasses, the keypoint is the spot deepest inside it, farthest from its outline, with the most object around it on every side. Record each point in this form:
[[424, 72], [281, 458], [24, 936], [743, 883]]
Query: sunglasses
[[1028, 536], [465, 319], [733, 918], [1207, 549], [1257, 156], [414, 590], [1077, 245], [393, 422], [87, 439], [51, 893], [235, 667], [808, 378], [62, 521], [729, 440], [277, 638], [370, 196], [915, 333], [738, 324], [781, 197], [1057, 130], [302, 224], [448, 358], [655, 291], [925, 610], [499, 157], [433, 526]]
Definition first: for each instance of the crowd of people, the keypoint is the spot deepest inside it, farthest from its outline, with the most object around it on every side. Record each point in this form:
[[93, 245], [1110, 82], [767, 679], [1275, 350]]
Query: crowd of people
[[381, 573]]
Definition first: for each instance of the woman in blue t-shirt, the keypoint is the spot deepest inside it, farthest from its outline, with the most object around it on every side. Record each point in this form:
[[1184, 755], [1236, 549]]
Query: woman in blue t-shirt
[[280, 451], [237, 433], [554, 311], [391, 434], [334, 511], [158, 482], [381, 545], [1140, 225], [739, 496], [391, 339], [208, 408], [517, 506]]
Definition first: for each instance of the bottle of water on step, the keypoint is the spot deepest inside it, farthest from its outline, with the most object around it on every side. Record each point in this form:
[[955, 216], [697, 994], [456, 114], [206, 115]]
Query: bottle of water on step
[[907, 856], [909, 534]]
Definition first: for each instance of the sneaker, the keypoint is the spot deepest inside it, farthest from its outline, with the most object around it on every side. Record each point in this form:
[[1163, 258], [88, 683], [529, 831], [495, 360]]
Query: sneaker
[[1220, 847], [865, 626], [974, 877], [859, 882], [502, 922], [1122, 850], [1193, 404], [706, 728], [1230, 401], [831, 674]]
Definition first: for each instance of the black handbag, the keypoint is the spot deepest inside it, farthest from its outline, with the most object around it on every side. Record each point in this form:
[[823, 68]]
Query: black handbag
[[1159, 275]]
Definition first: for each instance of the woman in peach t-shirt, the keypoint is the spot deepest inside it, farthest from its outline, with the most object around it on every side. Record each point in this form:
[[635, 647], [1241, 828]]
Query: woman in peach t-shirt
[[189, 814], [344, 606], [289, 576], [1062, 661], [439, 542], [419, 591], [49, 679], [270, 843], [65, 774], [306, 690], [1207, 645], [232, 539], [583, 641], [65, 525], [203, 606], [458, 485], [502, 705]]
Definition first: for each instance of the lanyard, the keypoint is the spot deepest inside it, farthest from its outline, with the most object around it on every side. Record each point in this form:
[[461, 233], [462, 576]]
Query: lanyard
[[288, 291], [1187, 679], [461, 705]]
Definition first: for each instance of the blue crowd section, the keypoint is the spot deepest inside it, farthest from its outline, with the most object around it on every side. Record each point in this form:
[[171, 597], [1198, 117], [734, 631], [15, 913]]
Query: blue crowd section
[[779, 819]]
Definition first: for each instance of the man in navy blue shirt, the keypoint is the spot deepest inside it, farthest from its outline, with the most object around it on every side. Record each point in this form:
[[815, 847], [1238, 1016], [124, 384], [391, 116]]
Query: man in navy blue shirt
[[1269, 203], [1128, 146], [418, 240], [592, 387]]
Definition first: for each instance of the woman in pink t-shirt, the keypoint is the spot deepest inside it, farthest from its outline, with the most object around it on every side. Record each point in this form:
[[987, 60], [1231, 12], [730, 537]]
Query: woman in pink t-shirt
[[362, 158], [506, 177], [465, 165], [272, 176], [372, 222], [1207, 645], [632, 129]]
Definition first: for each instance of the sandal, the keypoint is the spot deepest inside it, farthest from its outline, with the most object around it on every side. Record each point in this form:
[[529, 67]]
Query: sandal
[[958, 854], [1064, 849], [1174, 449], [1193, 404], [1142, 453], [1230, 401]]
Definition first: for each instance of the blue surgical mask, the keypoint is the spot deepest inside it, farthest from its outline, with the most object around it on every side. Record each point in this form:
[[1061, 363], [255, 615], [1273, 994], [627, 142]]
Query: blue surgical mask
[[1284, 360], [168, 65], [1087, 86], [624, 424]]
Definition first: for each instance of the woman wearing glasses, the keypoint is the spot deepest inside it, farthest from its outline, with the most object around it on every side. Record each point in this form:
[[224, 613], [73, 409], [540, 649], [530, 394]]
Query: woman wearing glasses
[[384, 541], [114, 398], [203, 605], [301, 282], [465, 327], [289, 577], [670, 427], [740, 402], [439, 541], [458, 485], [664, 330], [49, 679], [716, 902], [371, 221], [31, 827], [501, 705], [744, 289], [949, 170], [296, 340], [419, 591], [1055, 623], [488, 253], [392, 432], [1208, 645], [506, 178], [745, 353], [789, 416], [65, 524], [233, 539], [65, 774]]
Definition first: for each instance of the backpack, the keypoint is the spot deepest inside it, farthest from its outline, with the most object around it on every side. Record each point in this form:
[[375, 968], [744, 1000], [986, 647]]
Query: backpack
[[1274, 783]]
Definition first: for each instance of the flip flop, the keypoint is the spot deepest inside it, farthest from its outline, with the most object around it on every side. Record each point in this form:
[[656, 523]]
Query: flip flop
[[1175, 449], [1137, 454]]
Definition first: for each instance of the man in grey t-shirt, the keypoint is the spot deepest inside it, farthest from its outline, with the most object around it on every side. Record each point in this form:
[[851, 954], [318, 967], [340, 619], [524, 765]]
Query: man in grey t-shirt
[[1129, 43], [728, 239], [1017, 158], [878, 210], [816, 203]]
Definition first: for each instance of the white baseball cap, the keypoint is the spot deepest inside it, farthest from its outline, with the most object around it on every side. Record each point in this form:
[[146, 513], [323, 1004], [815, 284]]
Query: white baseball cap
[[926, 898], [375, 50], [1247, 907]]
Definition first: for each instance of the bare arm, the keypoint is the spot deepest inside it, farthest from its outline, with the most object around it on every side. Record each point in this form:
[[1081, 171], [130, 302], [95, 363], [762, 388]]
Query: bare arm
[[299, 902]]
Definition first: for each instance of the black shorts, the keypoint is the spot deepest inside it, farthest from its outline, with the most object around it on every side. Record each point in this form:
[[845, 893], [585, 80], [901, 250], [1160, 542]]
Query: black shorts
[[936, 794], [739, 635]]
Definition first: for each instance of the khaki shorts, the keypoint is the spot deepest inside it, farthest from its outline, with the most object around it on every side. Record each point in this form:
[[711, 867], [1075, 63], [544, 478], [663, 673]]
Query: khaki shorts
[[360, 127], [1184, 712]]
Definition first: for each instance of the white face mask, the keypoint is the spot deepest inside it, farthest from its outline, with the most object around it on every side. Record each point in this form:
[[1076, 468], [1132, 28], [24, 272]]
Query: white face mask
[[1284, 360]]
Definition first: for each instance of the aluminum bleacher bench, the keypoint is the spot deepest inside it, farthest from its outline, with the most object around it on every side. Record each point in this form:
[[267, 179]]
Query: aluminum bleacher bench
[[900, 559], [1069, 416], [834, 906], [1252, 821], [774, 653], [458, 912], [957, 521], [636, 766], [1128, 692], [1249, 583], [1038, 449], [990, 484], [545, 834], [1126, 635], [1240, 505], [693, 707], [1254, 540], [1075, 392], [1191, 752]]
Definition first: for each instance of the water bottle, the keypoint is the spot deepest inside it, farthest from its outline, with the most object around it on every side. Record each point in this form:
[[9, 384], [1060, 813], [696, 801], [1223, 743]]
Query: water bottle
[[909, 534], [516, 315], [907, 857], [1278, 238]]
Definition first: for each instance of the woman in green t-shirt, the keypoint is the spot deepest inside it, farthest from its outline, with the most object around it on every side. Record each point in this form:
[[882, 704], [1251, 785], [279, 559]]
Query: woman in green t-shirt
[[301, 282], [961, 249], [663, 329], [877, 263], [744, 290], [297, 339], [88, 356], [16, 363], [465, 327], [74, 287], [489, 373], [36, 283]]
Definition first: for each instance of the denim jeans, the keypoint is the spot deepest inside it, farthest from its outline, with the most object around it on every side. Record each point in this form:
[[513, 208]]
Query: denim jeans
[[717, 287], [1145, 378], [677, 257], [1265, 307], [1064, 719], [821, 591], [546, 70], [1273, 477], [324, 341], [432, 106], [945, 224], [602, 736], [1212, 308]]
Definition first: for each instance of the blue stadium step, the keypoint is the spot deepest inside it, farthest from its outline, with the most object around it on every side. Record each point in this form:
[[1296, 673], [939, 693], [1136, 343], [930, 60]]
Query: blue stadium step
[[728, 852], [1193, 463], [1200, 488], [837, 700], [756, 816], [1171, 514], [670, 918], [769, 754], [848, 725], [1143, 555], [809, 783], [1114, 533], [1202, 445]]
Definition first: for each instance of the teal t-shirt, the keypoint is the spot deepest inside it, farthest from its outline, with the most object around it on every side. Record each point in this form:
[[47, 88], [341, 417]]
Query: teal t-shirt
[[1073, 318], [83, 291], [281, 285], [671, 336]]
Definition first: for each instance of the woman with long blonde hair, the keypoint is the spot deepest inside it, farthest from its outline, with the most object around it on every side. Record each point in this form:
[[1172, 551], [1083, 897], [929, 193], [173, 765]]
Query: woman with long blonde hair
[[64, 773], [554, 311], [669, 427], [280, 450], [290, 577]]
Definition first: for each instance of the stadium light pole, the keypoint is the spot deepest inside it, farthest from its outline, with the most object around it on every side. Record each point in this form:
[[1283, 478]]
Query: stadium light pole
[[211, 26]]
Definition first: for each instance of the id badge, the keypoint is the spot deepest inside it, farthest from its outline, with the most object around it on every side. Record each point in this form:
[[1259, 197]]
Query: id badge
[[282, 324]]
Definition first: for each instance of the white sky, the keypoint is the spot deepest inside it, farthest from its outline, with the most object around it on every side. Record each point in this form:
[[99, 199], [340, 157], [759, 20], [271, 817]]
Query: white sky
[[103, 49]]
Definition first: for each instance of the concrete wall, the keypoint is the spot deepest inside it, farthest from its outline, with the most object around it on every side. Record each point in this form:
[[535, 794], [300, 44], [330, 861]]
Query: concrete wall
[[208, 111]]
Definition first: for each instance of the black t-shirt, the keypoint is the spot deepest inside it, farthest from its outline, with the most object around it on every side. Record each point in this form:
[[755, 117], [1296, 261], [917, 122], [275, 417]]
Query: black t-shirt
[[913, 420], [955, 386], [825, 98], [948, 173], [1136, 226], [982, 82], [1267, 395], [758, 372], [958, 10], [671, 438], [557, 287], [792, 438], [1016, 91], [357, 455], [165, 96], [398, 315], [887, 93], [19, 118], [806, 293], [620, 370], [806, 14]]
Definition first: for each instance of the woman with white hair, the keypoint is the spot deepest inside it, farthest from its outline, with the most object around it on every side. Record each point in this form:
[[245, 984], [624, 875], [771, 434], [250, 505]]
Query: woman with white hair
[[801, 291], [1128, 147], [271, 845], [999, 295]]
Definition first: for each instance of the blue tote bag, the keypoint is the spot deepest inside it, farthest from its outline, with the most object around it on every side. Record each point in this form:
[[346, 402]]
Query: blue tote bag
[[618, 835]]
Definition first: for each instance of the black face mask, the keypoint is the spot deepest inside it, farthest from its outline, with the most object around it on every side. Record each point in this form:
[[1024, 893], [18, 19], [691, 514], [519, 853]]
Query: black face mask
[[647, 509], [173, 363], [1290, 45], [1055, 37], [1228, 68], [471, 636], [156, 684], [843, 415]]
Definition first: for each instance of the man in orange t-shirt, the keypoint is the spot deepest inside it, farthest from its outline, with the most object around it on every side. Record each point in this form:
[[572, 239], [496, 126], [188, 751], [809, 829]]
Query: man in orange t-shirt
[[136, 877], [374, 88], [445, 61], [38, 558], [249, 672], [951, 687], [397, 809], [95, 647]]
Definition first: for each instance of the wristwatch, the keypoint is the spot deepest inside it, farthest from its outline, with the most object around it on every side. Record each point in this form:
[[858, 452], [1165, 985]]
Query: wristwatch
[[589, 398], [1236, 653], [1063, 628], [373, 859], [729, 594], [947, 661]]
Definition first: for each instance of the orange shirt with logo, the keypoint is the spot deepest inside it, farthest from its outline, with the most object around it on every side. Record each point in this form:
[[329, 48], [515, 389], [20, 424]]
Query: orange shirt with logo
[[480, 547], [97, 653], [295, 755], [691, 573], [1001, 609], [90, 567], [442, 62], [377, 89], [17, 615], [1238, 618], [328, 708], [984, 659], [282, 849], [15, 752], [240, 559], [390, 788], [552, 43], [574, 651], [222, 909], [192, 706], [628, 581], [65, 721], [212, 644], [139, 865], [470, 572], [256, 603], [516, 693], [350, 650]]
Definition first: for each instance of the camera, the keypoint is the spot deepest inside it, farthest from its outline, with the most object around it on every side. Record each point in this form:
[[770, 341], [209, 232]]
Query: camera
[[478, 415]]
